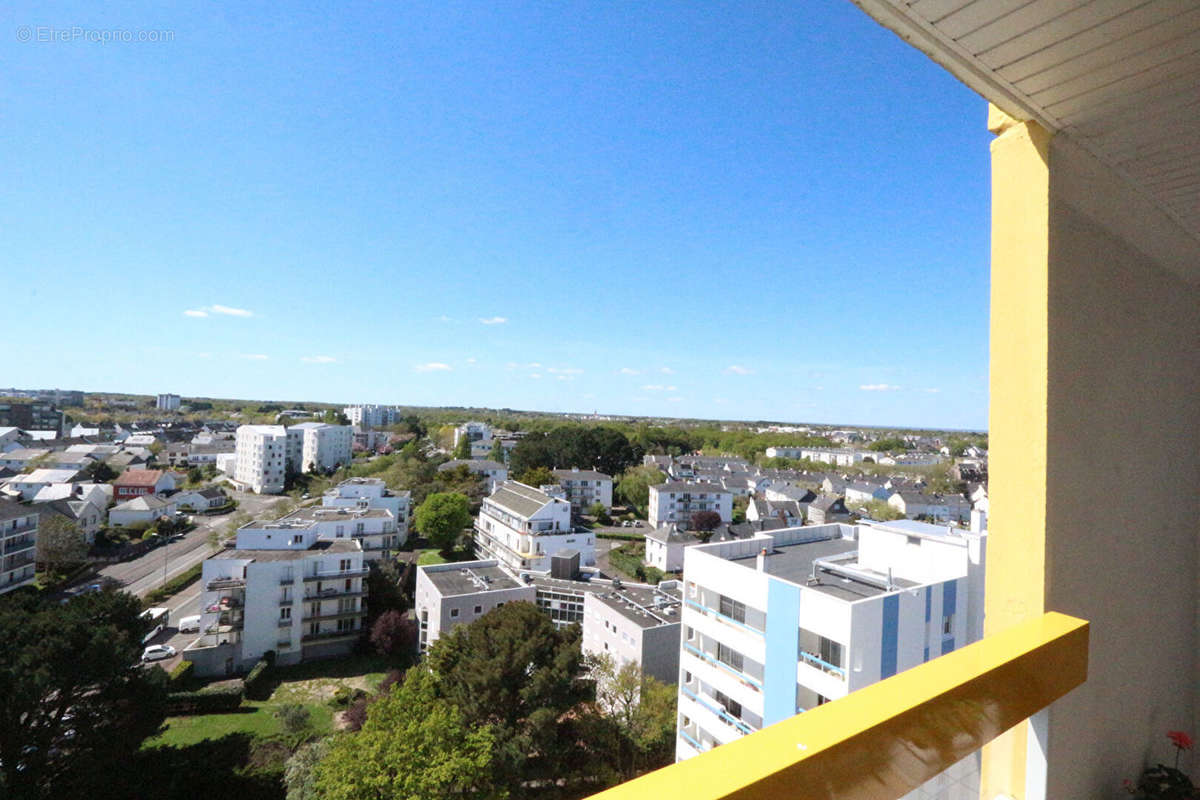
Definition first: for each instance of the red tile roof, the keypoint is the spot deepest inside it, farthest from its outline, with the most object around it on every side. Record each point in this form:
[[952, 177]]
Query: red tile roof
[[139, 477]]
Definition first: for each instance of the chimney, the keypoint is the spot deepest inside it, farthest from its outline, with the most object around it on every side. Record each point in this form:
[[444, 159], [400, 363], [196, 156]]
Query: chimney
[[761, 564]]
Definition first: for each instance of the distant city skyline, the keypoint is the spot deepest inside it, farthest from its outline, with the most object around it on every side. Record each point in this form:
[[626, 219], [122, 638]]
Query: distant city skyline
[[710, 212]]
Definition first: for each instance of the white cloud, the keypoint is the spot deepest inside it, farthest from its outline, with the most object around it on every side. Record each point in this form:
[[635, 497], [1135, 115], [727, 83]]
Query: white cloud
[[666, 370], [230, 312], [629, 371], [493, 320], [564, 370], [564, 377], [533, 365], [253, 356], [535, 376], [318, 359], [227, 311], [470, 360], [203, 355], [444, 318], [931, 391], [674, 399], [433, 366], [658, 387], [738, 369], [878, 387]]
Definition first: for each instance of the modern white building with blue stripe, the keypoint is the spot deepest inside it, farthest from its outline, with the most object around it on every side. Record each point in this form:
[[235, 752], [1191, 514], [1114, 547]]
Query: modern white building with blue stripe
[[784, 621]]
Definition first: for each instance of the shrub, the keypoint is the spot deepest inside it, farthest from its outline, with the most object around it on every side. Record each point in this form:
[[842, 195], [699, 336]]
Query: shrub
[[341, 697], [182, 674], [653, 574], [258, 686], [171, 587], [205, 701]]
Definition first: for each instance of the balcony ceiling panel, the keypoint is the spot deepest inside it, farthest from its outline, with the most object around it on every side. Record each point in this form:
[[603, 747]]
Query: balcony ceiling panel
[[1120, 77]]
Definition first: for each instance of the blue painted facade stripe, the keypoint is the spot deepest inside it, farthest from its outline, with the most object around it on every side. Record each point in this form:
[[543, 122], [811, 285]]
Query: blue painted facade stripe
[[891, 633], [947, 645], [926, 653], [949, 598], [928, 603], [782, 639]]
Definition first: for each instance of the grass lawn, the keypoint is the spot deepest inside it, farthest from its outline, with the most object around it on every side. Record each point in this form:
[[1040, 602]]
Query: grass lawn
[[431, 555], [311, 685]]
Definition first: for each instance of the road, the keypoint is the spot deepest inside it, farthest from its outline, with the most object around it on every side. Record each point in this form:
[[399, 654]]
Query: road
[[139, 575]]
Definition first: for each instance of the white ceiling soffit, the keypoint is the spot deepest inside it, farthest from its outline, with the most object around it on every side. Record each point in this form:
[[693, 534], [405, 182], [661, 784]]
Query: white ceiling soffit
[[1120, 77]]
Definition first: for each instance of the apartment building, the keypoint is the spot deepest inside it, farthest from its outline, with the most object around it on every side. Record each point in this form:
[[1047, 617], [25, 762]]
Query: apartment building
[[265, 453], [167, 402], [638, 624], [674, 503], [629, 622], [474, 432], [18, 544], [448, 595], [585, 487], [371, 416], [522, 527], [31, 416], [372, 493], [282, 588], [788, 620], [373, 528]]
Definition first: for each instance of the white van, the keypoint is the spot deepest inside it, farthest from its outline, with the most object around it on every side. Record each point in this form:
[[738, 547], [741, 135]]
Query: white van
[[189, 624]]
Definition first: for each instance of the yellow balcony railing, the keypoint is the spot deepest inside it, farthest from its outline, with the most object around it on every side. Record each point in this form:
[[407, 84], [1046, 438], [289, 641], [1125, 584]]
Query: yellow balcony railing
[[887, 739]]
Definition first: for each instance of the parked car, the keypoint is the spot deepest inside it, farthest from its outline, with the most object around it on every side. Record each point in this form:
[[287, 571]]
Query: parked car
[[190, 624], [158, 652]]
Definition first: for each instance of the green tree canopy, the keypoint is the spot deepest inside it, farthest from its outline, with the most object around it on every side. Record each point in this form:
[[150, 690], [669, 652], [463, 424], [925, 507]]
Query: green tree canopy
[[634, 486], [463, 448], [512, 670], [640, 714], [414, 745], [60, 543], [442, 517], [76, 698], [538, 476]]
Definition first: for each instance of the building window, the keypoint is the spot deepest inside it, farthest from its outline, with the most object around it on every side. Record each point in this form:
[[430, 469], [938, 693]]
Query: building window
[[831, 652], [728, 656], [285, 612], [948, 625], [478, 609], [453, 613], [733, 609]]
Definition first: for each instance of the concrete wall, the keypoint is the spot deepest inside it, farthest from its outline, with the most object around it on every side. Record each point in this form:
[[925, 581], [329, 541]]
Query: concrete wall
[[1123, 437]]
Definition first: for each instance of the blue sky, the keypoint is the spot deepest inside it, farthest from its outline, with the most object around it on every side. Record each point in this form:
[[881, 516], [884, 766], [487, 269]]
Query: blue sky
[[734, 210]]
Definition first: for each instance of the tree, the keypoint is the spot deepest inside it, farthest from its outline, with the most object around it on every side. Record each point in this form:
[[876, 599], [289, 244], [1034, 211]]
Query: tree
[[705, 521], [881, 511], [641, 712], [296, 721], [194, 476], [513, 671], [298, 773], [384, 592], [442, 517], [76, 698], [60, 544], [634, 486], [497, 453], [413, 745], [740, 504], [463, 448], [99, 472], [538, 476], [888, 444], [394, 635]]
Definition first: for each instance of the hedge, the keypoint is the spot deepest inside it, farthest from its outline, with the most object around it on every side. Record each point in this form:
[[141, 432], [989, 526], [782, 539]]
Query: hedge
[[172, 587], [182, 674], [629, 537], [205, 701], [257, 682]]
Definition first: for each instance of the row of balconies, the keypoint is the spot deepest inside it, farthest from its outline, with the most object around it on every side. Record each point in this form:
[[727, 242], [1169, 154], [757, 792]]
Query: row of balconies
[[28, 527], [12, 546]]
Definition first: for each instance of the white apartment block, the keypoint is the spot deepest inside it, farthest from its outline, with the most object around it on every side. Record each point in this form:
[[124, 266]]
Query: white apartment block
[[371, 416], [448, 595], [638, 624], [266, 452], [373, 528], [674, 503], [372, 493], [167, 402], [522, 527], [18, 545], [318, 445], [282, 589], [784, 621], [842, 457], [585, 488], [475, 432]]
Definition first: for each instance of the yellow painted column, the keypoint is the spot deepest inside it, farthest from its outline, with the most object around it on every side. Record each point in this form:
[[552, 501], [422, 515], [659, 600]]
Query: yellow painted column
[[1017, 425]]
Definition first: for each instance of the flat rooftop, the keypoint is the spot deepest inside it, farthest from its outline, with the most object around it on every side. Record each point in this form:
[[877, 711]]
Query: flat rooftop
[[329, 514], [471, 580], [324, 547], [794, 562], [642, 605]]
